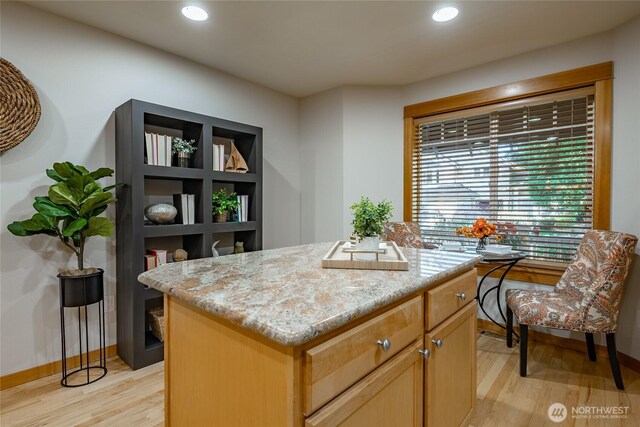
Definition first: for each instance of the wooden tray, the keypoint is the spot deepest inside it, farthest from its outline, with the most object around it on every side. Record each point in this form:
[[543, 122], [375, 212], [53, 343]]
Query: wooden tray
[[393, 259]]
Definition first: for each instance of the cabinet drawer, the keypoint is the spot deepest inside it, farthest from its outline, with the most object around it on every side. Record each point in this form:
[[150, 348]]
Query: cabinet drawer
[[333, 366], [446, 299]]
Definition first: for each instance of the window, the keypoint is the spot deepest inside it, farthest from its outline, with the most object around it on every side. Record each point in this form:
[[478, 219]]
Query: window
[[533, 157], [526, 165]]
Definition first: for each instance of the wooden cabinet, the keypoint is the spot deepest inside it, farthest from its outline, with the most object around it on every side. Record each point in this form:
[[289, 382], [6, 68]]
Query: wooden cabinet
[[450, 369]]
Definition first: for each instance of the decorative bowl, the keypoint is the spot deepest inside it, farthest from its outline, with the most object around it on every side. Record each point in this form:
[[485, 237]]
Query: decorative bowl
[[160, 213]]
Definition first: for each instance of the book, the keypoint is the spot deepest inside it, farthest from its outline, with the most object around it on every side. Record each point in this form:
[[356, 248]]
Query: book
[[191, 208], [245, 208], [182, 206], [160, 254], [221, 157], [149, 147], [150, 262], [216, 158], [167, 142], [162, 153]]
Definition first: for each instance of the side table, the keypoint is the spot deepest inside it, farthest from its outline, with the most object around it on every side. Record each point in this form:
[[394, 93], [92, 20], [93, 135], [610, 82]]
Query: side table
[[506, 261]]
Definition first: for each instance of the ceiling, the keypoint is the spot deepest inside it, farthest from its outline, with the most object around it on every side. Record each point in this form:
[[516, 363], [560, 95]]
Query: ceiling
[[303, 47]]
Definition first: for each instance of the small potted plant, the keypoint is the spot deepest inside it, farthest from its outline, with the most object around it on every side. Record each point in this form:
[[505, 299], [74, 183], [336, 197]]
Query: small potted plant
[[222, 202], [184, 148], [367, 222], [70, 212]]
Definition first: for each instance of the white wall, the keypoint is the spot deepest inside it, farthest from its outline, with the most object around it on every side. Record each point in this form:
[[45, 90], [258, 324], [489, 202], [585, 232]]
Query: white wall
[[81, 75], [372, 148], [625, 205], [351, 145], [321, 163]]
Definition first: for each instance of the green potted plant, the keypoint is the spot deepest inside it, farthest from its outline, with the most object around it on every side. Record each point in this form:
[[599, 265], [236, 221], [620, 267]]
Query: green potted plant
[[367, 223], [184, 148], [222, 202], [70, 212]]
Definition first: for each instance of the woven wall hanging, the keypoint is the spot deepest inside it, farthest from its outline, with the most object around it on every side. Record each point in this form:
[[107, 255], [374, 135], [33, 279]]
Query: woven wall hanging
[[19, 106]]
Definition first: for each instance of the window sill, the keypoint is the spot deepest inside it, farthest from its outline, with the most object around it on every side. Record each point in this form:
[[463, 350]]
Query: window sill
[[544, 273]]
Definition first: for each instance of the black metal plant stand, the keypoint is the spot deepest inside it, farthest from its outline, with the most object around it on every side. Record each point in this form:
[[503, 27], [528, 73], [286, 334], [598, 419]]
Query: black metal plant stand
[[80, 292]]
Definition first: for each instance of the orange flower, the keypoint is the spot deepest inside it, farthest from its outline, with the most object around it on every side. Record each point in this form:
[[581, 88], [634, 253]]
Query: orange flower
[[498, 238], [480, 228]]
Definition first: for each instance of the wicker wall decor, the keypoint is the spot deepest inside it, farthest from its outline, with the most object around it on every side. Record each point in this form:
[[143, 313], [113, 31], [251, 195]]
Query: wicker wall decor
[[19, 106]]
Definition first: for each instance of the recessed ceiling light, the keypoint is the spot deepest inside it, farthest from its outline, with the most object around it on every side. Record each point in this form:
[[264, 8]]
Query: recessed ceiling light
[[195, 13], [445, 14]]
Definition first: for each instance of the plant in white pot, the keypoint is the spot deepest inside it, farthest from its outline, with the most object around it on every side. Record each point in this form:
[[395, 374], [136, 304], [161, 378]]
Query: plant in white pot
[[70, 212], [367, 223]]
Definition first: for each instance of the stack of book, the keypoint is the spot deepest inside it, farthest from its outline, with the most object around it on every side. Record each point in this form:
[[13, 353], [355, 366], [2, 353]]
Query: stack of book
[[185, 204], [243, 208], [154, 258], [158, 149], [219, 160]]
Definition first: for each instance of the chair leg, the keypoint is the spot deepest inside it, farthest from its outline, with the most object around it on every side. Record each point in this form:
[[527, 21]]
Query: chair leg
[[509, 327], [524, 335], [591, 347], [613, 359]]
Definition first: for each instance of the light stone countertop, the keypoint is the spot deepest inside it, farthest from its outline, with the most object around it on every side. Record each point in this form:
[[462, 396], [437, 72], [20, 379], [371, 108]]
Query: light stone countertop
[[285, 294]]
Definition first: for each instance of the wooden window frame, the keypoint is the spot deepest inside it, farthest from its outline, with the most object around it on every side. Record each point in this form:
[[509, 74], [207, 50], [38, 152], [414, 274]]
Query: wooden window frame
[[600, 76]]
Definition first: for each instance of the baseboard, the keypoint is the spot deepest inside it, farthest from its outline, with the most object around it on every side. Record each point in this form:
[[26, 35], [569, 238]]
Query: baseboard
[[601, 351], [47, 369]]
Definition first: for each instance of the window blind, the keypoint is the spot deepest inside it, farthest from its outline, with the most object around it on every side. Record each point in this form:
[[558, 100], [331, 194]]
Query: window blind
[[526, 166]]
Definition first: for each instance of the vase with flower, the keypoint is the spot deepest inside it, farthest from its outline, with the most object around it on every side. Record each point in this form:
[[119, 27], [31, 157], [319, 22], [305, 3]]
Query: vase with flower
[[480, 230]]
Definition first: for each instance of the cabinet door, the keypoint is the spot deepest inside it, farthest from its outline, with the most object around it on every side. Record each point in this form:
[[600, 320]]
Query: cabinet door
[[450, 373], [389, 396]]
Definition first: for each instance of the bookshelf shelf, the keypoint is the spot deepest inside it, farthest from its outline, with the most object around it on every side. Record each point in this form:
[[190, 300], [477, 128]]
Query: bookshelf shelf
[[227, 227], [171, 172], [234, 177], [136, 344], [166, 230]]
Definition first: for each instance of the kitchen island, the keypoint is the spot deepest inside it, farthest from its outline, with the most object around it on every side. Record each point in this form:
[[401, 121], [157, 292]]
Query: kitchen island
[[271, 338]]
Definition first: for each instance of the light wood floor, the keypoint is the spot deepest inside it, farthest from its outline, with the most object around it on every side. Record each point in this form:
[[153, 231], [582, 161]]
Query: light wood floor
[[135, 398]]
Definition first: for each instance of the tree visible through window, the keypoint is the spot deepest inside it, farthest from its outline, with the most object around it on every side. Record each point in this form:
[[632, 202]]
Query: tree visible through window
[[527, 166]]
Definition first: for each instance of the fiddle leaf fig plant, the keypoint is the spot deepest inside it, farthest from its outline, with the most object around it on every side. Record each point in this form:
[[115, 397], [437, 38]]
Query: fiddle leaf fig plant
[[369, 217], [71, 209]]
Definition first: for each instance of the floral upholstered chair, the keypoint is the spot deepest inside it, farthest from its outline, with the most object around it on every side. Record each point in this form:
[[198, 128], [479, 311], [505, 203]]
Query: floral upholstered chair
[[405, 234], [586, 299]]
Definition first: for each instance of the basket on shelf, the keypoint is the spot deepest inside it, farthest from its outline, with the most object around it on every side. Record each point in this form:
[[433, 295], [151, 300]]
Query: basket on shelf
[[156, 319]]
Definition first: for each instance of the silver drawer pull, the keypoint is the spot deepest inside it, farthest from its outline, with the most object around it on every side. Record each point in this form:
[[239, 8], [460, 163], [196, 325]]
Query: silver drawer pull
[[437, 342], [385, 344], [425, 353], [462, 296]]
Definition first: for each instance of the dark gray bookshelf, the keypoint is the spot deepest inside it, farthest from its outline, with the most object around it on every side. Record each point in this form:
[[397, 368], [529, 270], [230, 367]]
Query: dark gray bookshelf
[[137, 346]]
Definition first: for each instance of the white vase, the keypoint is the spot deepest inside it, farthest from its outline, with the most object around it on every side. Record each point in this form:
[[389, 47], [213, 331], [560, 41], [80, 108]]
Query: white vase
[[370, 244]]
